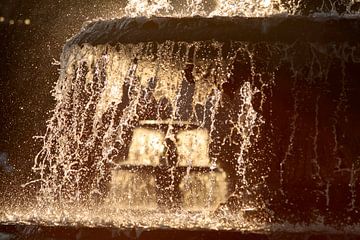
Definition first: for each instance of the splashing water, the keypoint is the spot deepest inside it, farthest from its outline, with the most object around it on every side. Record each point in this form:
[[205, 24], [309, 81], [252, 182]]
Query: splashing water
[[103, 95], [197, 7], [121, 109], [244, 8], [148, 8], [186, 134], [97, 108]]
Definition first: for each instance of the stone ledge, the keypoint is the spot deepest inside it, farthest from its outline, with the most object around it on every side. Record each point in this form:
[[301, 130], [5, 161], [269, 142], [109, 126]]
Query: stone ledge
[[190, 29]]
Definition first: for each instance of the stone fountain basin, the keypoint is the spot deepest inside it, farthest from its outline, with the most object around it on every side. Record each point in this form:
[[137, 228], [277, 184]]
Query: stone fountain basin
[[77, 232], [300, 112], [189, 29]]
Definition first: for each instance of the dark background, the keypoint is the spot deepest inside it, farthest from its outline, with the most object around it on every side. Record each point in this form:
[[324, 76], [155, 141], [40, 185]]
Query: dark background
[[27, 74]]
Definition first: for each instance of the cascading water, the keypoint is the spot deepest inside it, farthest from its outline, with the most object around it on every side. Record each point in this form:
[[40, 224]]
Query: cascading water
[[104, 94], [212, 123]]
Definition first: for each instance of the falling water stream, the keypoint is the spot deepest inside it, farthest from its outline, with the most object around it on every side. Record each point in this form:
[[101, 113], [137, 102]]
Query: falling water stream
[[104, 94], [200, 134]]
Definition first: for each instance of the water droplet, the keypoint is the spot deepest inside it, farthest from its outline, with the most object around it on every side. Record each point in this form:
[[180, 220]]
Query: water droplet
[[267, 3]]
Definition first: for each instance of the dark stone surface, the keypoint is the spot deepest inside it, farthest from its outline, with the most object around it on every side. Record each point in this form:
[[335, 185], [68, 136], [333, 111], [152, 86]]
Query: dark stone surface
[[269, 29], [38, 232], [47, 232]]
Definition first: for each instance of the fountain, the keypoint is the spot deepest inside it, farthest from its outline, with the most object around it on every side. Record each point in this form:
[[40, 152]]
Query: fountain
[[212, 123], [130, 87]]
